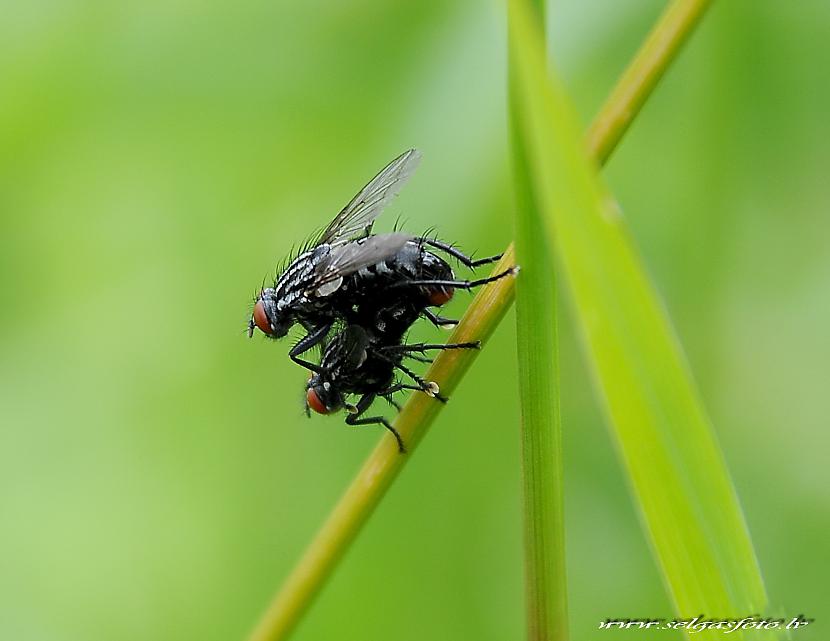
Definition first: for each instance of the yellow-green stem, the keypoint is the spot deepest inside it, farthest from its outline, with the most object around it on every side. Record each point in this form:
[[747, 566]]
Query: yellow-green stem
[[641, 76], [478, 323]]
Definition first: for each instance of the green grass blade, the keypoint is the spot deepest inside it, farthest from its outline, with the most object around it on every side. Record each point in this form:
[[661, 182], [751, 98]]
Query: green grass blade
[[542, 459], [676, 470]]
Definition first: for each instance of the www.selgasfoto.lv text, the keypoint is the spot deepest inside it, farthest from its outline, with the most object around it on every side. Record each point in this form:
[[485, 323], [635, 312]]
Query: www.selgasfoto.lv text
[[699, 623]]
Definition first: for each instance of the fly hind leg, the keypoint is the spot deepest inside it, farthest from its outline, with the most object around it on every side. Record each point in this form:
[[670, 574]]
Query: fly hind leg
[[398, 387], [428, 387], [455, 284], [420, 359], [423, 347], [439, 321], [388, 398]]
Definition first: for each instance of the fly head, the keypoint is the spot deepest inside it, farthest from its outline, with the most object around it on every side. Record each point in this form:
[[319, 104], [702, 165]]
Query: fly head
[[322, 396], [268, 317]]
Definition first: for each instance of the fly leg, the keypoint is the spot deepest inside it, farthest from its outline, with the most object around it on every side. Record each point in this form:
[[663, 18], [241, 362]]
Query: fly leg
[[455, 284], [388, 398], [428, 387], [420, 359], [306, 343], [399, 387], [362, 405], [423, 347], [438, 321], [460, 256]]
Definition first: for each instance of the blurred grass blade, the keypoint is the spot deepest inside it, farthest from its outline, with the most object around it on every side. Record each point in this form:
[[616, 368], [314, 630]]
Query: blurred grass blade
[[537, 342], [676, 470]]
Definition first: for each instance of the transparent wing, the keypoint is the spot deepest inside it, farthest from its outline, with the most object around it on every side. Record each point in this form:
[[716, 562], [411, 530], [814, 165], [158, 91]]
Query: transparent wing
[[346, 259], [357, 217]]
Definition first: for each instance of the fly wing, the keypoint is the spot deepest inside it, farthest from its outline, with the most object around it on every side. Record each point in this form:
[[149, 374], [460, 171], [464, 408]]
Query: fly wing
[[344, 260], [357, 217], [347, 350], [355, 343]]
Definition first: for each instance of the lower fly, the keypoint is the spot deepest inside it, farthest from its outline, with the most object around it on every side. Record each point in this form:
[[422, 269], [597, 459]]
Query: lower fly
[[356, 363]]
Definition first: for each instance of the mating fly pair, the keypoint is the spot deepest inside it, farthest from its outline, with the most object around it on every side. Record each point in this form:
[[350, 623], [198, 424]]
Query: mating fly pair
[[356, 294]]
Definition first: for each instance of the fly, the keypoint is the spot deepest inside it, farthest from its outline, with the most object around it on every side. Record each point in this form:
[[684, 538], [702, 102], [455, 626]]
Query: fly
[[353, 276], [356, 362]]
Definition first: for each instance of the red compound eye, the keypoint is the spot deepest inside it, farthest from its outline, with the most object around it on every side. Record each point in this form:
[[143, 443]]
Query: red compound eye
[[440, 296], [261, 318], [315, 403]]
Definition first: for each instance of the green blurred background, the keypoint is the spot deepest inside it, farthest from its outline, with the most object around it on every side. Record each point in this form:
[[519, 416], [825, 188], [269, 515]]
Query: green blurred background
[[157, 475]]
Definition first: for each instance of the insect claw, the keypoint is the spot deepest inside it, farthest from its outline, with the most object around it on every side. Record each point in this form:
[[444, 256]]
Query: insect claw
[[432, 388]]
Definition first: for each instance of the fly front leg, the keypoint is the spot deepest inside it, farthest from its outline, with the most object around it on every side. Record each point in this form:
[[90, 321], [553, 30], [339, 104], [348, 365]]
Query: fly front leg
[[462, 258], [313, 338], [362, 405]]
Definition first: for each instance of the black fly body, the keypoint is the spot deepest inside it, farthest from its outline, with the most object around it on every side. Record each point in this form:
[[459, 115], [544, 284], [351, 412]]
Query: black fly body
[[367, 290], [353, 276], [356, 362]]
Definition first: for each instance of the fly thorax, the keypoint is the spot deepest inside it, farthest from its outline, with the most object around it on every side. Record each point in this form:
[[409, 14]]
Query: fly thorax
[[287, 300], [433, 266], [298, 274]]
